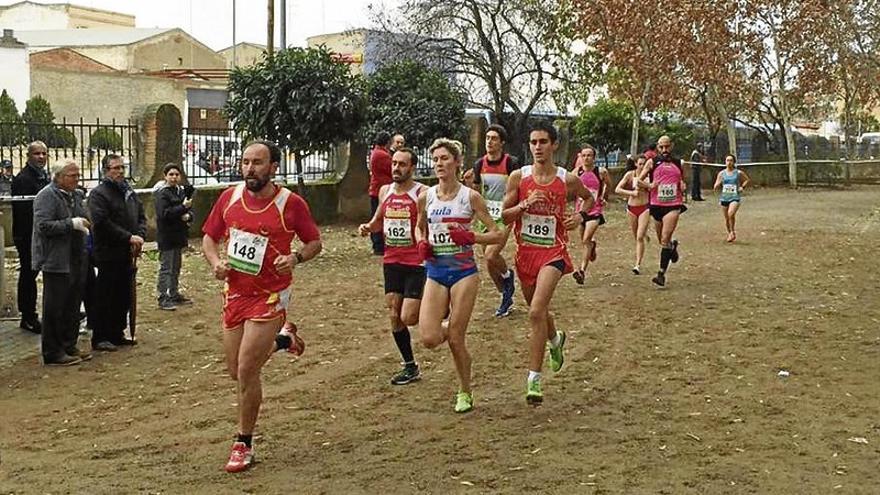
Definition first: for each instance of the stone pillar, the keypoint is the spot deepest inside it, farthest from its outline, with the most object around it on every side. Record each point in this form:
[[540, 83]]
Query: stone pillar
[[354, 201], [159, 141]]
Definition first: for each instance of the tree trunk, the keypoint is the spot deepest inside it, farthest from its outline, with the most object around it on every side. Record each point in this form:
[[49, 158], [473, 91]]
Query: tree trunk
[[731, 129], [634, 136], [790, 147], [270, 29]]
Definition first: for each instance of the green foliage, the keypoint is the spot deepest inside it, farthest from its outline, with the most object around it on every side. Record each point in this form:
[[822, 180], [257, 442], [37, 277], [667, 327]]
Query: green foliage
[[300, 98], [61, 137], [416, 101], [682, 134], [11, 131], [105, 139], [605, 125]]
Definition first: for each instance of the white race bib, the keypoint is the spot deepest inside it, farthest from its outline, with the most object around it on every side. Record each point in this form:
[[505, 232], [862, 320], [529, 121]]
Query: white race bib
[[245, 251], [398, 232], [667, 193], [538, 230], [729, 189], [495, 208], [440, 239]]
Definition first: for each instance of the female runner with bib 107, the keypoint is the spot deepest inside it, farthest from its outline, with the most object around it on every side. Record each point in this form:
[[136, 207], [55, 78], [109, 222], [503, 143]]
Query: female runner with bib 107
[[445, 240]]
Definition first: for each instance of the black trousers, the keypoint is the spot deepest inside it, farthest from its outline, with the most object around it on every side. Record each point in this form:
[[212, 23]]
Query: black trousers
[[113, 293], [62, 294], [27, 281], [376, 237], [696, 193]]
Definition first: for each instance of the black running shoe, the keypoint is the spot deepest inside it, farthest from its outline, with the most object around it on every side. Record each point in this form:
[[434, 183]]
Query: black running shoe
[[408, 374], [660, 279], [674, 258]]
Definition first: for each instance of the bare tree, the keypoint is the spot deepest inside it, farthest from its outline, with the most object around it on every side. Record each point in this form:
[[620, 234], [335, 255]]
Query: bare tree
[[497, 50]]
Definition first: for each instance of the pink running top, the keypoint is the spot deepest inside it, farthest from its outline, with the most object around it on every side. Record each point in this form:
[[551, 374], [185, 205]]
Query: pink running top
[[590, 180], [667, 180]]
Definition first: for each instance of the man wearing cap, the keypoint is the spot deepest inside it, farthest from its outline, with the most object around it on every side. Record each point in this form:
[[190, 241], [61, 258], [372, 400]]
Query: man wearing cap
[[6, 178]]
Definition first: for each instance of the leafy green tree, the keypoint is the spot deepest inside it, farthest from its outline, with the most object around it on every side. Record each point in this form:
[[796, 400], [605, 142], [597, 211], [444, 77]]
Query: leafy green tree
[[605, 125], [417, 101], [11, 130], [61, 137], [300, 98], [682, 134], [39, 120], [105, 139]]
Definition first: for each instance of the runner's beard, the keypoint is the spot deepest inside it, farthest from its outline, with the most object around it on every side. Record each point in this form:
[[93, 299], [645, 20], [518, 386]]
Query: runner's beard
[[400, 179], [255, 184]]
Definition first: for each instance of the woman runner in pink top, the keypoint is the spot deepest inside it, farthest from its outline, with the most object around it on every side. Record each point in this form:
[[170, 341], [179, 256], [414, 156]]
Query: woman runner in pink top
[[596, 181]]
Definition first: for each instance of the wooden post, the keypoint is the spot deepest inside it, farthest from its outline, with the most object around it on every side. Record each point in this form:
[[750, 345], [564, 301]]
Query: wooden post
[[270, 28]]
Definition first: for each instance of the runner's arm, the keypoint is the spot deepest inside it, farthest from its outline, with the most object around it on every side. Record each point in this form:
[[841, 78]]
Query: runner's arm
[[746, 180], [649, 165], [375, 223], [211, 250], [493, 234], [606, 179], [512, 208], [627, 177], [576, 187], [422, 221], [717, 182]]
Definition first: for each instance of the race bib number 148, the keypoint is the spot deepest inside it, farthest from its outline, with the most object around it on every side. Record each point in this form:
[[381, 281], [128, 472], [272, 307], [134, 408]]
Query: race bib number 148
[[245, 251]]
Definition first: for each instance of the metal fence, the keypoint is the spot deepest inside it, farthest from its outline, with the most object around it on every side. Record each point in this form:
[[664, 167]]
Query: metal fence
[[87, 143], [212, 156]]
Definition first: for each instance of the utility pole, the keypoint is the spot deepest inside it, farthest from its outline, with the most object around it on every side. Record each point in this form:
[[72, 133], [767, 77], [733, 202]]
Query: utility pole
[[234, 61], [270, 43], [283, 24]]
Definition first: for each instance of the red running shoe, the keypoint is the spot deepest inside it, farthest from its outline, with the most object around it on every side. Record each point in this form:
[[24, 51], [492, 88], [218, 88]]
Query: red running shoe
[[240, 458], [288, 340]]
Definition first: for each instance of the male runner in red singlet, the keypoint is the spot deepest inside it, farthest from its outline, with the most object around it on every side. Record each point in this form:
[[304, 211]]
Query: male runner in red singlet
[[258, 221], [535, 202], [402, 264]]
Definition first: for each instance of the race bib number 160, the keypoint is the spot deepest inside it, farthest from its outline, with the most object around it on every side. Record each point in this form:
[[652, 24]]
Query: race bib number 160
[[245, 251]]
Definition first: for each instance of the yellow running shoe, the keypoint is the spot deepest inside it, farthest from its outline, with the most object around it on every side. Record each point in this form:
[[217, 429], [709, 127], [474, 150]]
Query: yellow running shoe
[[464, 402]]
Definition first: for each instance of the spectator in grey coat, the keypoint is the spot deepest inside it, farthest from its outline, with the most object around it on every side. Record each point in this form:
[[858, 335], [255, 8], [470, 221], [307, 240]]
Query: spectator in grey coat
[[58, 250], [173, 217]]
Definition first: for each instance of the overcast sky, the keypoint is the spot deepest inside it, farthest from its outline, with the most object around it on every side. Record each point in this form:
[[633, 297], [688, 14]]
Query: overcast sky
[[211, 20]]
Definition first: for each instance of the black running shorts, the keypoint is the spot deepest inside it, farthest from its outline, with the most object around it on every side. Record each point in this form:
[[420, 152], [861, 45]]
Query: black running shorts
[[407, 280]]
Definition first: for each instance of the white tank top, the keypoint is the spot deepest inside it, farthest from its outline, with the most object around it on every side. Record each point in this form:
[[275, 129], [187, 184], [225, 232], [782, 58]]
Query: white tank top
[[441, 214]]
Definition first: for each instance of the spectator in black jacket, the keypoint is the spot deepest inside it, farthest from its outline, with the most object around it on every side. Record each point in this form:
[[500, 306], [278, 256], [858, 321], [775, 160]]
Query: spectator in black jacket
[[118, 230], [173, 217], [28, 182]]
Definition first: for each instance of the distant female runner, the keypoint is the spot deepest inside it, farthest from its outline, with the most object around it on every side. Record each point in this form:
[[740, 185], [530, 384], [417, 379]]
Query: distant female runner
[[732, 181], [636, 192], [597, 181]]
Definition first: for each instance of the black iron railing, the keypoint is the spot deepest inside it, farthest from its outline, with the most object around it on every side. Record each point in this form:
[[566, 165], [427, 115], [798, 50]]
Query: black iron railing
[[87, 143]]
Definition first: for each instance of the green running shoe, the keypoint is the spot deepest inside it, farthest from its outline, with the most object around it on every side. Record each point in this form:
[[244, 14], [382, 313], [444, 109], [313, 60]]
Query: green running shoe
[[534, 396], [557, 359], [464, 402]]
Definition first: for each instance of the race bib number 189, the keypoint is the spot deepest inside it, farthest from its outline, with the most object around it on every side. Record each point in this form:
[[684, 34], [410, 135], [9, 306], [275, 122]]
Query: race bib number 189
[[245, 251], [539, 230]]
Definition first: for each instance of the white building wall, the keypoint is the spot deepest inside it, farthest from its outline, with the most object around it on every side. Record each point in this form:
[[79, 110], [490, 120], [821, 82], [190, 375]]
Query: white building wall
[[15, 77], [29, 16], [115, 56]]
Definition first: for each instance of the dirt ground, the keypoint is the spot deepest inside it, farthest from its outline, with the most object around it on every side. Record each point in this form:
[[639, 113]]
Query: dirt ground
[[664, 391]]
